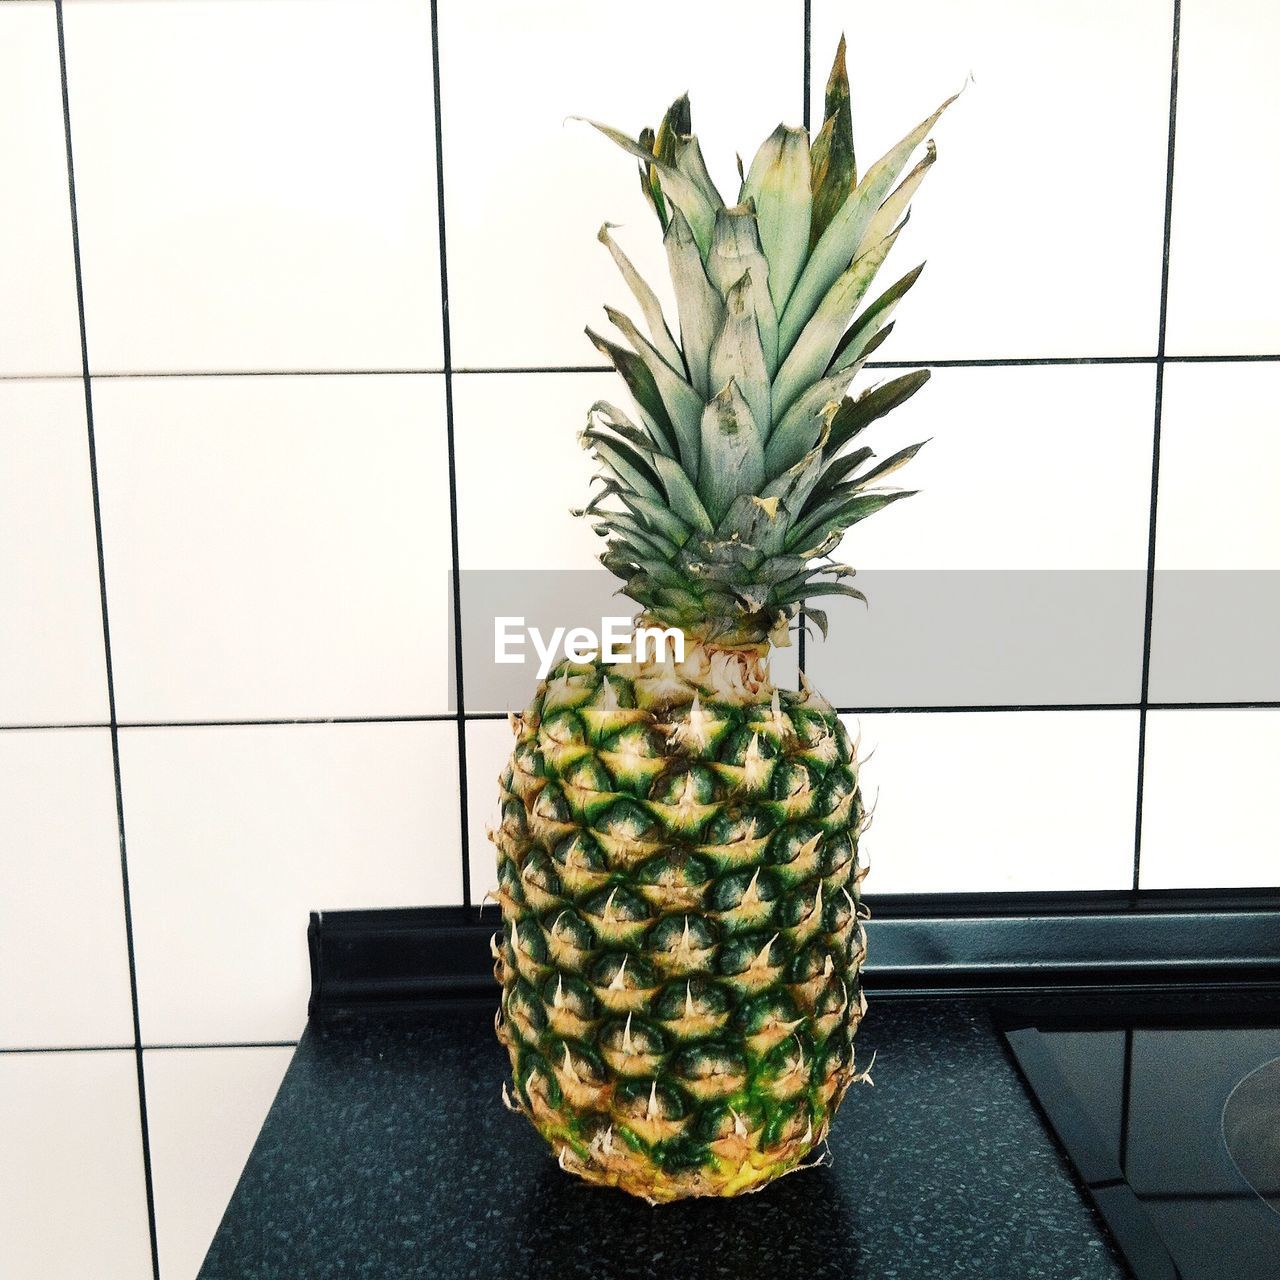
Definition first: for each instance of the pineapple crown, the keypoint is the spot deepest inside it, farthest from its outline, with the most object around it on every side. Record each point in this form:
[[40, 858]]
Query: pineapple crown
[[722, 507]]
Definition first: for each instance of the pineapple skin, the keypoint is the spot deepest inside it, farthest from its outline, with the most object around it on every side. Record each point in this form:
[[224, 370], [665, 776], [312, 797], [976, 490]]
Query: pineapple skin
[[682, 938]]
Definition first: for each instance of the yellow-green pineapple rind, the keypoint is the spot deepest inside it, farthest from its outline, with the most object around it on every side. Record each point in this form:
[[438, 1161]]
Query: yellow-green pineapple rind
[[681, 940]]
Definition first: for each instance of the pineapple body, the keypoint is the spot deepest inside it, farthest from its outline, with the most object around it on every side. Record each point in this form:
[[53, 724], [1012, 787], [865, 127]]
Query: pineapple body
[[681, 944]]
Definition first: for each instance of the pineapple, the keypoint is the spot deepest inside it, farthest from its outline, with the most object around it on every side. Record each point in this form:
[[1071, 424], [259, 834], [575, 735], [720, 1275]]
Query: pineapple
[[678, 862]]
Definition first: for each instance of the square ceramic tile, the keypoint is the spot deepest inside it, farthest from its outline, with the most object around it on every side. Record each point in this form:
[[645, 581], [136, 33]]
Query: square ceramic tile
[[1217, 428], [64, 969], [995, 584], [39, 323], [1009, 453], [1222, 285], [1216, 620], [236, 834], [521, 469], [525, 269], [1208, 799], [52, 668], [256, 184], [72, 1197], [1042, 221], [204, 1110], [999, 801], [276, 547], [993, 638]]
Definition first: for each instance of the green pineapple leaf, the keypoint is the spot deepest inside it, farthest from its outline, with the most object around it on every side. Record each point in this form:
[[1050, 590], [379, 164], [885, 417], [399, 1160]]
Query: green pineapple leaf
[[777, 185], [835, 517], [640, 382], [855, 415], [683, 404], [738, 357], [834, 171], [834, 251], [809, 358], [856, 343], [834, 473], [736, 252], [888, 466], [650, 307], [676, 184], [896, 205], [732, 451], [689, 161], [698, 303]]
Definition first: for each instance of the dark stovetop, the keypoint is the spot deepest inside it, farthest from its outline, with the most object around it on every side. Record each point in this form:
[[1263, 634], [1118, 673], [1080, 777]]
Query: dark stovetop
[[1170, 1110], [387, 1154]]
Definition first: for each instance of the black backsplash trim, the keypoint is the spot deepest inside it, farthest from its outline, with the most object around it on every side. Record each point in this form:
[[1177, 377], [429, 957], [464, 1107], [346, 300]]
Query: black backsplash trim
[[988, 943]]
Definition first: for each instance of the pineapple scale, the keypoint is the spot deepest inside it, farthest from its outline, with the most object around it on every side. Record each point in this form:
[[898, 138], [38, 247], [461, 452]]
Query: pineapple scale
[[682, 937]]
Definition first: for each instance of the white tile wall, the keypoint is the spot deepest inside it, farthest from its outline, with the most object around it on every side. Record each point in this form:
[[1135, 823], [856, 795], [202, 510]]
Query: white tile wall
[[1223, 271], [1041, 221], [256, 184], [276, 547], [1010, 453], [998, 582], [1209, 798], [1216, 592], [999, 800], [205, 1108], [257, 193], [39, 328], [72, 1195], [521, 469], [236, 833], [51, 657], [527, 189], [1219, 458], [64, 973]]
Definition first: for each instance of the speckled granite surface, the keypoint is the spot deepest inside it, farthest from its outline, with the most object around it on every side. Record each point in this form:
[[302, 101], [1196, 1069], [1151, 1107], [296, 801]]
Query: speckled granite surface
[[387, 1155]]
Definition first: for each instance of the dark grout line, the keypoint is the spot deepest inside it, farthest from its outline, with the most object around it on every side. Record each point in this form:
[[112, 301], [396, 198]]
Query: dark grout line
[[984, 708], [221, 1044], [437, 718], [1015, 707], [1157, 418], [265, 722], [979, 362], [1258, 358], [221, 373], [14, 1051], [60, 724], [1253, 705], [455, 559], [91, 439], [1012, 362], [534, 368], [473, 717]]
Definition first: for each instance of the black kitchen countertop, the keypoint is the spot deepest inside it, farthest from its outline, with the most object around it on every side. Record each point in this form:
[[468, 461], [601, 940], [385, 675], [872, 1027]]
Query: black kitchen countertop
[[388, 1154]]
